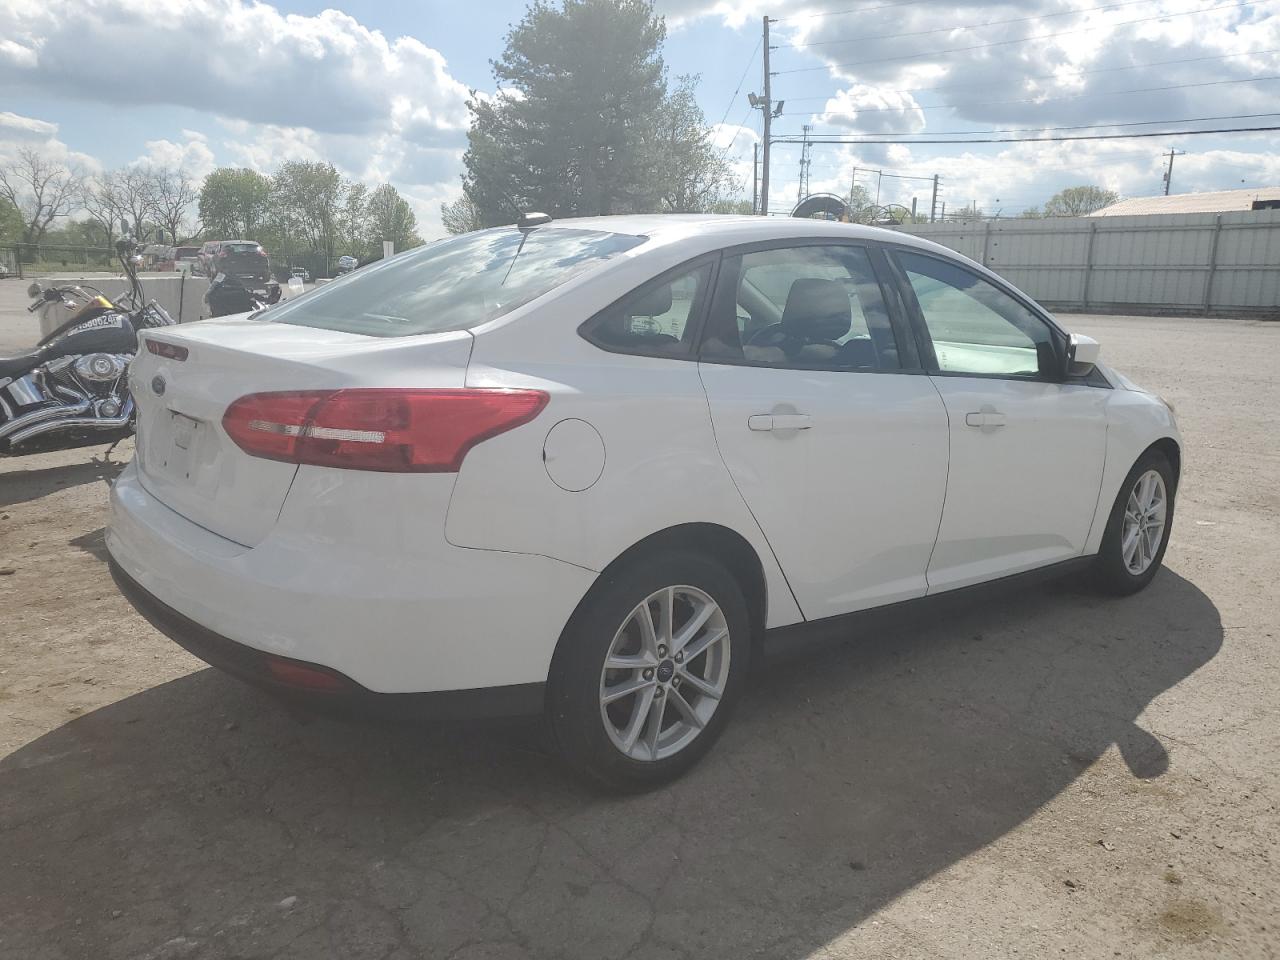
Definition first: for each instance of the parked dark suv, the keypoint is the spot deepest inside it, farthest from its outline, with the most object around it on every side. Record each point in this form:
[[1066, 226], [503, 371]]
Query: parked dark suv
[[241, 259]]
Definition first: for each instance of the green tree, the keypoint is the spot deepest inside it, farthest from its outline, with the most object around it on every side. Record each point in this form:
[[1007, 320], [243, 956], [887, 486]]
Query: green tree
[[583, 123], [1079, 201], [1031, 213], [353, 231], [10, 222], [738, 207], [690, 173], [461, 216], [233, 204], [307, 203], [390, 217]]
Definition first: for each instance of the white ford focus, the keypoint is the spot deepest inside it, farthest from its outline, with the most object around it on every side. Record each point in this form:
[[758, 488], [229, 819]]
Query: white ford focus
[[582, 467]]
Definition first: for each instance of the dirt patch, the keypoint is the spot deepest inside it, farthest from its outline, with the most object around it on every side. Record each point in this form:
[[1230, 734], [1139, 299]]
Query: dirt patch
[[933, 791]]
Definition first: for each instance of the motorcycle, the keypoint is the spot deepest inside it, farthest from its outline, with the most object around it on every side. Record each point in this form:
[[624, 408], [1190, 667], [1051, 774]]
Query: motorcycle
[[76, 378], [227, 295]]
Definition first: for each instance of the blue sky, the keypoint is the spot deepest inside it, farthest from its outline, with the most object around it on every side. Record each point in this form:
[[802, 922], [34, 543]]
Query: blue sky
[[378, 88]]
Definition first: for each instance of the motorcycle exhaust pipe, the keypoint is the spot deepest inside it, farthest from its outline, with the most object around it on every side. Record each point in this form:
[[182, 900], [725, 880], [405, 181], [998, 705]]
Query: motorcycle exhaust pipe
[[63, 423], [19, 424]]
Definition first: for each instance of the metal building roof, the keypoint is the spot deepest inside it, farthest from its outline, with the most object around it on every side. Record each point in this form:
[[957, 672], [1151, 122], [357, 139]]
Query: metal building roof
[[1218, 201]]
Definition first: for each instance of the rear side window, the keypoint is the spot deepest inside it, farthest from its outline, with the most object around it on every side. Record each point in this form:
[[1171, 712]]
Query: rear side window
[[656, 319], [453, 284]]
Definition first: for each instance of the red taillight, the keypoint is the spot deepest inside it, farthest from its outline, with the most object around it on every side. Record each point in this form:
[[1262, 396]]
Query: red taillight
[[170, 351], [296, 674], [391, 431]]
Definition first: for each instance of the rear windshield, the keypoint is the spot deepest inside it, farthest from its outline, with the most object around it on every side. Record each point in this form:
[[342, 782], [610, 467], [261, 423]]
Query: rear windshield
[[453, 284], [240, 247]]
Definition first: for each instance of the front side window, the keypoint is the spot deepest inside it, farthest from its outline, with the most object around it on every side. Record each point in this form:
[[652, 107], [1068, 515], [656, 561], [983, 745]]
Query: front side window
[[656, 319], [453, 284], [814, 307], [975, 326]]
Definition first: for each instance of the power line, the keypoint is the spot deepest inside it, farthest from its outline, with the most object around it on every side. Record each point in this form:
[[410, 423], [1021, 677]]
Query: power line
[[822, 138], [1075, 96], [1054, 76], [1102, 136], [741, 81], [968, 26], [1005, 43]]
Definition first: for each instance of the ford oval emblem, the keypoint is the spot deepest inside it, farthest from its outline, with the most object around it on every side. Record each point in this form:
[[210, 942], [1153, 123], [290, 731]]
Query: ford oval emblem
[[157, 385]]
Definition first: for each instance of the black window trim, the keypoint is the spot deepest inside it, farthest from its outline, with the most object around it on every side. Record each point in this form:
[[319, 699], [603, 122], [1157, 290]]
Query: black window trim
[[924, 339], [697, 314], [908, 360]]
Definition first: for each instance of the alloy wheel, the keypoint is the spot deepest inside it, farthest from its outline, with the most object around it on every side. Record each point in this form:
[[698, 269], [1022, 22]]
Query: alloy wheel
[[1144, 522], [665, 673]]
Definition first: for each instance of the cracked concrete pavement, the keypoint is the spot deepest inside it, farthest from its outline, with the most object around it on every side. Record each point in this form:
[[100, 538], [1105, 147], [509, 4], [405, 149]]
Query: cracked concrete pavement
[[1047, 772]]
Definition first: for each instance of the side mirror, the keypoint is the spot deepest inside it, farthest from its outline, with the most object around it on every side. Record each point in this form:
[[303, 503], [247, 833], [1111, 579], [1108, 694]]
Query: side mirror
[[1082, 355]]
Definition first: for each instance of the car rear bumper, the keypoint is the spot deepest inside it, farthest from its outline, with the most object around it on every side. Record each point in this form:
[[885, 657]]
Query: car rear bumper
[[404, 615], [315, 686]]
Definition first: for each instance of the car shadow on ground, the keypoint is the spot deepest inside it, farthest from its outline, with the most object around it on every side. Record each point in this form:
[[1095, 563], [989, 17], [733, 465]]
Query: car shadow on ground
[[199, 819], [19, 486]]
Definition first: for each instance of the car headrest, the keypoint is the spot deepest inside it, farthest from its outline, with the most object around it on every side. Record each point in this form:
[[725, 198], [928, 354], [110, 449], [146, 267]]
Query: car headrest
[[653, 304], [817, 310]]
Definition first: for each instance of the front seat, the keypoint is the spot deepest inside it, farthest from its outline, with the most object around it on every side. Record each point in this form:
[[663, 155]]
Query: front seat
[[816, 315]]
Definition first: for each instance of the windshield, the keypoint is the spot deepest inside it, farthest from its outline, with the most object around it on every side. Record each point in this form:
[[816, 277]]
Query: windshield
[[453, 284]]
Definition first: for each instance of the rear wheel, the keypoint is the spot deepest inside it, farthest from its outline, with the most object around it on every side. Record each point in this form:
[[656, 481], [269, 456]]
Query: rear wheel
[[649, 670], [1138, 529]]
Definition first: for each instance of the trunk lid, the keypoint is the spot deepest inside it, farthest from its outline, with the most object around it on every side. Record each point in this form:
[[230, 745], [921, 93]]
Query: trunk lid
[[185, 458]]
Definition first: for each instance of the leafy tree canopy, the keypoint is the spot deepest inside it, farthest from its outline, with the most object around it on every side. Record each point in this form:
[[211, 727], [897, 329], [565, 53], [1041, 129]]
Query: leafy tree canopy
[[1079, 201], [584, 122]]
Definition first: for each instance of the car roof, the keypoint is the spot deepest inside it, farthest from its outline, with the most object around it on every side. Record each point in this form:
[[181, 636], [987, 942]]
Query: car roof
[[730, 230]]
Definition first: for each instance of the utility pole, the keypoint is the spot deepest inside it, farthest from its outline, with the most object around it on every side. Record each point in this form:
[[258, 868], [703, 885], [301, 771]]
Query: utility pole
[[933, 207], [768, 116], [755, 177], [1168, 174]]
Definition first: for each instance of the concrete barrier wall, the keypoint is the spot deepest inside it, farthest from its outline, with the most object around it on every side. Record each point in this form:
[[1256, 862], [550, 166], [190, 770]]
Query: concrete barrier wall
[[182, 296]]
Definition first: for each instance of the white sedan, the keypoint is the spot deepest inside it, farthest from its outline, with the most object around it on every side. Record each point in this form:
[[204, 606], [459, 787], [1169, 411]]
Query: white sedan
[[584, 468]]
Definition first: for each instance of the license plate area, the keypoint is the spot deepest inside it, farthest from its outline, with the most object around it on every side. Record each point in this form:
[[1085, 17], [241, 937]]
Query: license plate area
[[177, 452]]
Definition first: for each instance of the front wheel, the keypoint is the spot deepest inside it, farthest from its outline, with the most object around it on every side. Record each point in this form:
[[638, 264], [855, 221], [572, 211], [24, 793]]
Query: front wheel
[[1138, 529], [649, 669]]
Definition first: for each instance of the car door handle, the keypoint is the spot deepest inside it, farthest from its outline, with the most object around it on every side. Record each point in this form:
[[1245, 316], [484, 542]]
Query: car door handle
[[987, 419], [779, 421]]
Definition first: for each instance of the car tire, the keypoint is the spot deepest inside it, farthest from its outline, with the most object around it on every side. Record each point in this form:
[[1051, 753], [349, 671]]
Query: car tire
[[590, 733], [1124, 566]]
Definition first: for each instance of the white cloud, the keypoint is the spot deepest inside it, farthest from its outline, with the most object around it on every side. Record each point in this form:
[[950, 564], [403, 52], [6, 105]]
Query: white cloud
[[192, 155], [15, 127], [18, 131], [237, 59], [869, 109]]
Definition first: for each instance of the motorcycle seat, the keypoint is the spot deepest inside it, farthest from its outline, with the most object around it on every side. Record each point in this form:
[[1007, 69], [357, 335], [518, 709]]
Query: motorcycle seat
[[19, 365]]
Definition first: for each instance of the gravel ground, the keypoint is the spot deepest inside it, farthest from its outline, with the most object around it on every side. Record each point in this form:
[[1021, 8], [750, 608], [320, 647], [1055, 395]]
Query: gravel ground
[[1044, 773]]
